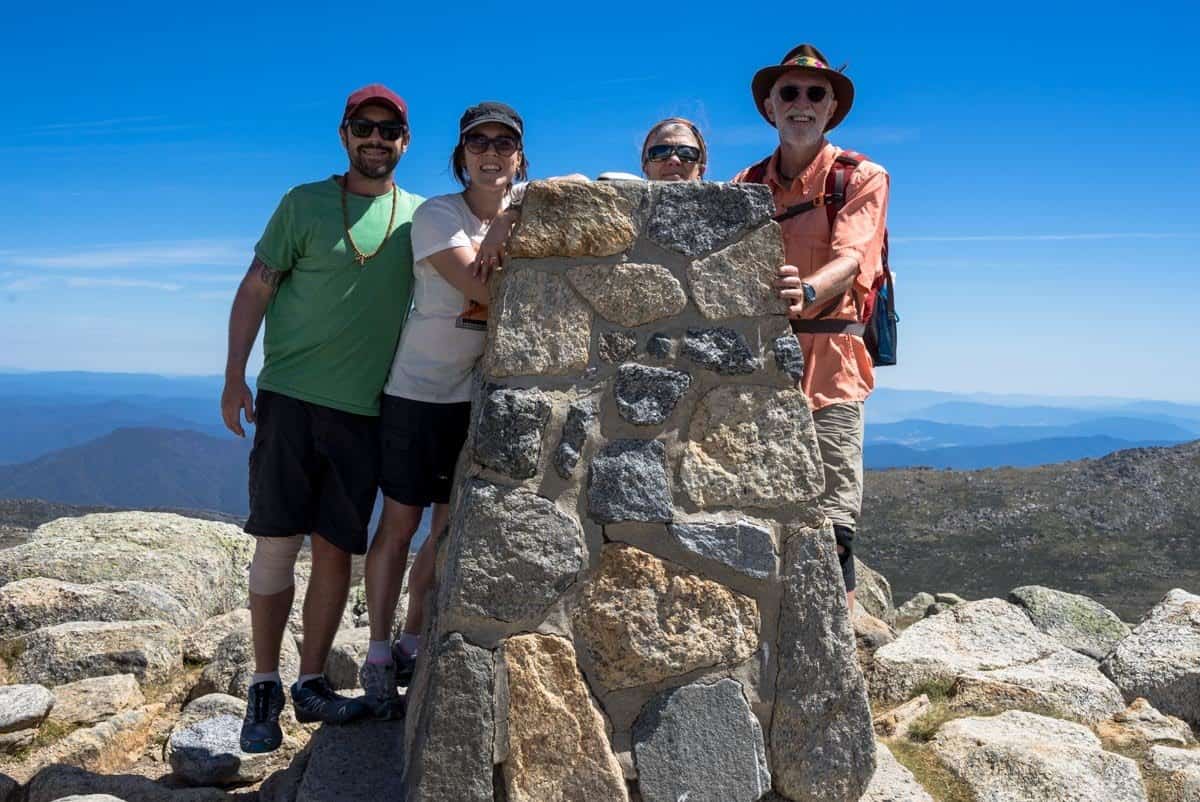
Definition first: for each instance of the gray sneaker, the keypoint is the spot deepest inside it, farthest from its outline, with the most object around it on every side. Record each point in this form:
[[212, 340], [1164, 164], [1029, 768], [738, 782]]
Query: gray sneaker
[[378, 680]]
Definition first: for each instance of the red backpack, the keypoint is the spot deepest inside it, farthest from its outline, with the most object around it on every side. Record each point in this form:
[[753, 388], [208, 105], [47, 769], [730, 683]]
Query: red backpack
[[877, 314]]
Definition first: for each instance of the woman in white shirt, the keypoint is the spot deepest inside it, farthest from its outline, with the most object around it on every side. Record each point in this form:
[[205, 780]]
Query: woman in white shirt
[[426, 402]]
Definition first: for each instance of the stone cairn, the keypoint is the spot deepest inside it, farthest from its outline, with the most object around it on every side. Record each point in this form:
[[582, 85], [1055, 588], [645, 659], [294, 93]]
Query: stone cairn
[[639, 598]]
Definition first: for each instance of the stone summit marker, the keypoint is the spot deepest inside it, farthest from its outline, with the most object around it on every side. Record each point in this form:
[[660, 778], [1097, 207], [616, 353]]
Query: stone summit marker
[[639, 597]]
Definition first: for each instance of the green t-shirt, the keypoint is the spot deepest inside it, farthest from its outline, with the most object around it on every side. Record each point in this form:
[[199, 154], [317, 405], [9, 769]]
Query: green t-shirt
[[332, 325]]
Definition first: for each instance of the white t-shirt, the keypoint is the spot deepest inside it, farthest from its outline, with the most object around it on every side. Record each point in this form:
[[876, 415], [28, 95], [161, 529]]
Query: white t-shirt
[[436, 356]]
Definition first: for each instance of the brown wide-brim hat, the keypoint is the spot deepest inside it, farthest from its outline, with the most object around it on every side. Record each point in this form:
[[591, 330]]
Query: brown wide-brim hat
[[805, 58]]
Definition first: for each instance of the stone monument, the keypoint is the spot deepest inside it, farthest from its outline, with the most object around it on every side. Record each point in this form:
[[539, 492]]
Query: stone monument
[[639, 598]]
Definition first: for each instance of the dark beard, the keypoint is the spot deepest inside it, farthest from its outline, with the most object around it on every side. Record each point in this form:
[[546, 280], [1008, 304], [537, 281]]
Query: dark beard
[[380, 170]]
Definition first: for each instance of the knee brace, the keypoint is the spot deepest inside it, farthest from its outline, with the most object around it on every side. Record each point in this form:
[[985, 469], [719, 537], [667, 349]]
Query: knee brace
[[845, 539], [273, 568]]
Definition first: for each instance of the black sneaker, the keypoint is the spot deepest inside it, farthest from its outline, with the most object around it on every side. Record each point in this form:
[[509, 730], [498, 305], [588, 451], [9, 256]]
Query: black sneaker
[[316, 701], [260, 727], [405, 665]]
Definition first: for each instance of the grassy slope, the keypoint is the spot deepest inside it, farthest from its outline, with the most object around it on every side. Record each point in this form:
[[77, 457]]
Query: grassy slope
[[1122, 529]]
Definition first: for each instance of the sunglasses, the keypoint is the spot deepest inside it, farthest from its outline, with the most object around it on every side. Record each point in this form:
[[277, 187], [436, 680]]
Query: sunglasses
[[391, 130], [660, 153], [478, 144], [815, 94]]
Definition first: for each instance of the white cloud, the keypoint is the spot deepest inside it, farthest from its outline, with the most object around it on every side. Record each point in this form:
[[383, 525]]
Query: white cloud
[[187, 253], [130, 283], [18, 283]]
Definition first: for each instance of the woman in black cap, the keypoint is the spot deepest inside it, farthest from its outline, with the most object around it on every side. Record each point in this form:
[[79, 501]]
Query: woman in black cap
[[426, 402]]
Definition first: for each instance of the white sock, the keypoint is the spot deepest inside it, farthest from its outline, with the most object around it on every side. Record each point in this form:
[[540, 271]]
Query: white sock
[[409, 643], [305, 678], [380, 652], [272, 676]]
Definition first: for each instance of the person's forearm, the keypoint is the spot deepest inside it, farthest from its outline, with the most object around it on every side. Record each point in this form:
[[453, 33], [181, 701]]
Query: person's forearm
[[833, 279], [249, 307]]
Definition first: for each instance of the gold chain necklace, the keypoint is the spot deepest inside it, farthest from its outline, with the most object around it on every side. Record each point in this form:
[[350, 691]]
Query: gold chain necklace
[[359, 256]]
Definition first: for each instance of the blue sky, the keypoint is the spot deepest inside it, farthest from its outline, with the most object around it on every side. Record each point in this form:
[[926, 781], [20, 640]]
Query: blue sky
[[1043, 159]]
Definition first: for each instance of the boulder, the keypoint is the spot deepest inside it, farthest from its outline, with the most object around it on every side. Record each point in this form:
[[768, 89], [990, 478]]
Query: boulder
[[1022, 757], [23, 707], [233, 666], [347, 656], [214, 704], [896, 722], [913, 610], [870, 634], [202, 644], [1076, 621], [90, 701], [874, 593], [150, 650], [508, 434], [53, 783], [951, 599], [1140, 725], [30, 604], [109, 747], [984, 635], [1065, 684], [207, 752], [1160, 660], [892, 782], [202, 564]]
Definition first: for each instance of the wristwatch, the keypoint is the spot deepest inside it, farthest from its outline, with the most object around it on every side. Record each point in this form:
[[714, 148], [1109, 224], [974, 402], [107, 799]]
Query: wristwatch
[[810, 294]]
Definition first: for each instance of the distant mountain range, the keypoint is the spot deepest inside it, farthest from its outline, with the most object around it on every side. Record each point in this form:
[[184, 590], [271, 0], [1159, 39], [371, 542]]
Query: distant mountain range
[[139, 468]]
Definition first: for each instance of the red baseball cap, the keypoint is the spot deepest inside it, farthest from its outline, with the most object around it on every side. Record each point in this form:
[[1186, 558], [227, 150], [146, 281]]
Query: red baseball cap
[[378, 94]]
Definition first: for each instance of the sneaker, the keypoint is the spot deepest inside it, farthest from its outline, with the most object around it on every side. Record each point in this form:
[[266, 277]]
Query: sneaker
[[260, 727], [379, 682], [404, 664], [316, 701]]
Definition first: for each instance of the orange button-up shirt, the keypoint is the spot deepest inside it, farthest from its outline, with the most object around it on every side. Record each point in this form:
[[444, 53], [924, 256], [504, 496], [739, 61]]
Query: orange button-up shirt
[[837, 367]]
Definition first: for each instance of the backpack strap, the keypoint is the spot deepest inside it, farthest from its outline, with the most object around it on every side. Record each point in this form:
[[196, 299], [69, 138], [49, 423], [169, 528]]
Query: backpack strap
[[757, 172], [833, 200]]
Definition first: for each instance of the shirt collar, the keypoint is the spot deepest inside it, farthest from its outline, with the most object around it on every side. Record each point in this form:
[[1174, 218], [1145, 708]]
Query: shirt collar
[[811, 178]]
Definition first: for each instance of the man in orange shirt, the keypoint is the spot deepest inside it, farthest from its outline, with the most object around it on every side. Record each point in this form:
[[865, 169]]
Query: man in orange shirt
[[830, 266]]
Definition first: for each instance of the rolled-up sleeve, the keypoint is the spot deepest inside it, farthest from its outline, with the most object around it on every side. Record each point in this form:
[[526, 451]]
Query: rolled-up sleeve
[[860, 224]]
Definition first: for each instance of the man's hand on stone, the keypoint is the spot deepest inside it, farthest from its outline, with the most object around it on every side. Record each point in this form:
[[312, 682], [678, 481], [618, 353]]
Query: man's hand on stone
[[788, 283], [235, 398]]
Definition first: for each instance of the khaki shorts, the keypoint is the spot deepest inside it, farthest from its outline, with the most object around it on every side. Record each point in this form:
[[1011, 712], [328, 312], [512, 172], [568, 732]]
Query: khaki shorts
[[840, 438]]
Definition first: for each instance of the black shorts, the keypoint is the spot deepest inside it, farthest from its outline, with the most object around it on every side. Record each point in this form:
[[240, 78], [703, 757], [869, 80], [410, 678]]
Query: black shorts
[[421, 441], [312, 470]]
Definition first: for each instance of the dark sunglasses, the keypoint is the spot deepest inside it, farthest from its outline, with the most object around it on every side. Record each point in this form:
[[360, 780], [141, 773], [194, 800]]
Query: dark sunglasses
[[660, 153], [391, 130], [504, 144], [815, 94]]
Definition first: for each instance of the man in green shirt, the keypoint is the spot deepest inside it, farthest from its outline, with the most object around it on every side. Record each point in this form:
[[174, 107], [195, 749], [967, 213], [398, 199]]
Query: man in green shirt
[[333, 277]]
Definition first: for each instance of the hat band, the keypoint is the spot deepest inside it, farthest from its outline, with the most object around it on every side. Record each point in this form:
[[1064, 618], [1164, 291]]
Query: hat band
[[808, 61]]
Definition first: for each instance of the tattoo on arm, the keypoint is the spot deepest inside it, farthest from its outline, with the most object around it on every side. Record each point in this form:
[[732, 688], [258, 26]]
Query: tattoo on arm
[[265, 274]]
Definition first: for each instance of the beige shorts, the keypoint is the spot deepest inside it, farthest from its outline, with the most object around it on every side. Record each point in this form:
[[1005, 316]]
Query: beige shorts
[[840, 438]]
